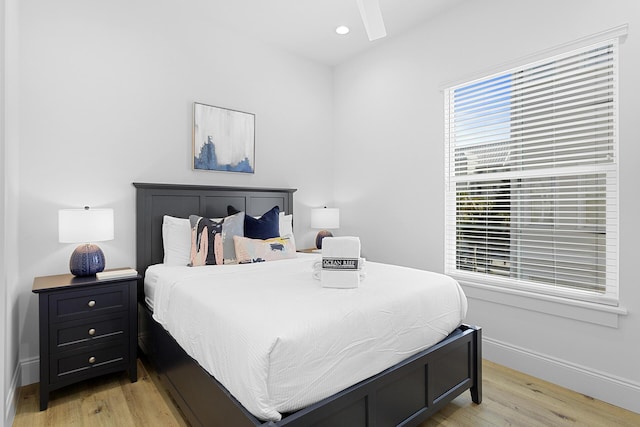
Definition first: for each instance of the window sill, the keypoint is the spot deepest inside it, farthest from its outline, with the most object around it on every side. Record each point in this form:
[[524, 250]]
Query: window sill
[[598, 314]]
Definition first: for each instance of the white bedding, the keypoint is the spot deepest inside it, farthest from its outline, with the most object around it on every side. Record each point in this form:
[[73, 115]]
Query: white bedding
[[278, 341]]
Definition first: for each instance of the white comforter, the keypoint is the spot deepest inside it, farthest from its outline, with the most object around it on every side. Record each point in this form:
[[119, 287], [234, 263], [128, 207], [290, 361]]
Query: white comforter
[[278, 341]]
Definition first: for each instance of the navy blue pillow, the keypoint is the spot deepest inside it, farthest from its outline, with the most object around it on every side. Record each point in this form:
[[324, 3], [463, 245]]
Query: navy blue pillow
[[265, 227]]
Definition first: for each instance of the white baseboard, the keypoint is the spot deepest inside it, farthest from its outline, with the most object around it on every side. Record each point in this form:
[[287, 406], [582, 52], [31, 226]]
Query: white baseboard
[[11, 403], [600, 385], [30, 369]]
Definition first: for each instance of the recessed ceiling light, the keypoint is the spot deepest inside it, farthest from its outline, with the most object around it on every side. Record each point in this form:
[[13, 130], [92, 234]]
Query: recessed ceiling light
[[342, 30]]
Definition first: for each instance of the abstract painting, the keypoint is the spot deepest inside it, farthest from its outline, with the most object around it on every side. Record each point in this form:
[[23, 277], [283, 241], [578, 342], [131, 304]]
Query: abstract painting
[[223, 139]]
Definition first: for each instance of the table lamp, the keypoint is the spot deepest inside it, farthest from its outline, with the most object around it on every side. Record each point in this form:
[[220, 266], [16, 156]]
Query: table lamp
[[85, 226], [324, 218]]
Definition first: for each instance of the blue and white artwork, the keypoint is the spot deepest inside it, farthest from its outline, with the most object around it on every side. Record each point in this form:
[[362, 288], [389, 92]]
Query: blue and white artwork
[[223, 140]]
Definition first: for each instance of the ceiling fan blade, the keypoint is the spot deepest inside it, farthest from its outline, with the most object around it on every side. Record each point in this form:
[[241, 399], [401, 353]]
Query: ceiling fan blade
[[372, 18]]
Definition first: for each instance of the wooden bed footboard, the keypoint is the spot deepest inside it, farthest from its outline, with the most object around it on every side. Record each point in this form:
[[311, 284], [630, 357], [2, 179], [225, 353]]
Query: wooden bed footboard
[[405, 394]]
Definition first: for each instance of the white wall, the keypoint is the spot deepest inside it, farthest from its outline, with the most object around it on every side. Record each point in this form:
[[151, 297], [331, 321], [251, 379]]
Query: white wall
[[389, 178], [106, 100], [3, 277], [9, 322]]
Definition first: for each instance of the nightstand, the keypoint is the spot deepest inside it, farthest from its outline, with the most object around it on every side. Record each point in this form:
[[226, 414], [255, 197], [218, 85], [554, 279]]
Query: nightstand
[[310, 251], [88, 327]]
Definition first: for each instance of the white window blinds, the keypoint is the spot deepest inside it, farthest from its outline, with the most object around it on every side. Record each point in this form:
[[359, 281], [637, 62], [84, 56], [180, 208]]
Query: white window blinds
[[531, 176]]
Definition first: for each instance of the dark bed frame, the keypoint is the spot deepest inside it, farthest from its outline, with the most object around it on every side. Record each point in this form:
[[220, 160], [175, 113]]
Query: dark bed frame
[[405, 394]]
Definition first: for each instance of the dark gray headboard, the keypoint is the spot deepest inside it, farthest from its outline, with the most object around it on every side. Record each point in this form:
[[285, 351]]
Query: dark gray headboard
[[155, 200]]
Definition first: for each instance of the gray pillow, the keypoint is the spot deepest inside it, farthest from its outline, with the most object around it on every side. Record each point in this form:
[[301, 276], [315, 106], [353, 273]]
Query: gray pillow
[[232, 225]]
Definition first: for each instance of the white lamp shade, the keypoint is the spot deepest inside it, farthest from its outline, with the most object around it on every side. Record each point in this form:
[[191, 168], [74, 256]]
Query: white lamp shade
[[325, 218], [85, 225]]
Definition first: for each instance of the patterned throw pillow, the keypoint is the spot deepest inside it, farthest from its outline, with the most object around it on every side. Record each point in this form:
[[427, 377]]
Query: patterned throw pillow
[[255, 250], [212, 239], [206, 241]]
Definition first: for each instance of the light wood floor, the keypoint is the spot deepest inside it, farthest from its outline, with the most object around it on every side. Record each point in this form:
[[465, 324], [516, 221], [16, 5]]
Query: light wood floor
[[510, 398]]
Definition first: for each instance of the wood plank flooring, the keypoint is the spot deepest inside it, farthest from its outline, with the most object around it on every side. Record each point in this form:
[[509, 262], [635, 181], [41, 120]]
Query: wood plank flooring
[[110, 400], [510, 398]]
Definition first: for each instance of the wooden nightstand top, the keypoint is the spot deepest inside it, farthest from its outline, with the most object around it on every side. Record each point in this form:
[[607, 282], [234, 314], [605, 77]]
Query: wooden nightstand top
[[48, 283], [310, 251]]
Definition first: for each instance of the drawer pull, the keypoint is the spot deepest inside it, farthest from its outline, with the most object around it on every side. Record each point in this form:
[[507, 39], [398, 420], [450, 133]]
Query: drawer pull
[[91, 303], [92, 359], [92, 332]]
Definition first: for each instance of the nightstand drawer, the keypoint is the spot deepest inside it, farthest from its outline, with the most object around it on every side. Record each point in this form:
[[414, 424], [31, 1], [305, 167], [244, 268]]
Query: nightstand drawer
[[96, 330], [79, 304], [67, 366]]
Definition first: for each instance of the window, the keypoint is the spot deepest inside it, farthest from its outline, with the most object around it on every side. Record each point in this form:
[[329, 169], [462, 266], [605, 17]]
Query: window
[[531, 177]]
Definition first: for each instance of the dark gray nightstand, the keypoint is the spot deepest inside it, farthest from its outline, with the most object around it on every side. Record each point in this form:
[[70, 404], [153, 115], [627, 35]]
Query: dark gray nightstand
[[88, 327]]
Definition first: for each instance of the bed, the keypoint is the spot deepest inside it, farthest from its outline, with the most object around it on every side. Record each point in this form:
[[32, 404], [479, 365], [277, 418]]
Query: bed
[[406, 393]]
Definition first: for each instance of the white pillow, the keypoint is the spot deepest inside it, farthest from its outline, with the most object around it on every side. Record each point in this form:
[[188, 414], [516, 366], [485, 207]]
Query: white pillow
[[286, 224], [176, 240], [286, 227]]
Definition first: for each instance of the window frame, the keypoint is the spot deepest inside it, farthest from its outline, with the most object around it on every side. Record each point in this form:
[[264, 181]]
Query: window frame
[[490, 287]]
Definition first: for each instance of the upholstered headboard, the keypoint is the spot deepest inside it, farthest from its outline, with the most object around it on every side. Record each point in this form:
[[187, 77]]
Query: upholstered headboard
[[153, 201]]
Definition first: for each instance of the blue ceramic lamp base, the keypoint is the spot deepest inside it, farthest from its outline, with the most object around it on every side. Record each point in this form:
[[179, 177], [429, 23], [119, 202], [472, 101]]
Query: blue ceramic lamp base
[[86, 260], [321, 235]]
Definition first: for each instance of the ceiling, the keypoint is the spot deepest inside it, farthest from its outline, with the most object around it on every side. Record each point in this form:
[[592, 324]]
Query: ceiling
[[307, 27]]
